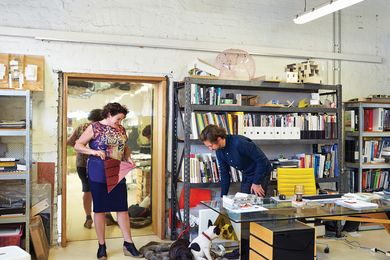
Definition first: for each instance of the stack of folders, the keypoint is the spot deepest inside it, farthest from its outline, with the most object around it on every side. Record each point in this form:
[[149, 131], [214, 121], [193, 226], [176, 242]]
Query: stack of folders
[[359, 201], [8, 164]]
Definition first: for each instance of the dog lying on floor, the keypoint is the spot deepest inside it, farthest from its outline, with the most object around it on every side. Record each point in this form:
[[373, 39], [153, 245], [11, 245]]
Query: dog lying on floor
[[200, 246]]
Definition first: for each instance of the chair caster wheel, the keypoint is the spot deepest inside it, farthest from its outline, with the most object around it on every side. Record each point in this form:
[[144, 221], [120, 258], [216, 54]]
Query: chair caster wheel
[[326, 250]]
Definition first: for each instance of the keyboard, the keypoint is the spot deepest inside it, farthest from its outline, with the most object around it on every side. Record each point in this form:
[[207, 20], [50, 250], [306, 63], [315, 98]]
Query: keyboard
[[323, 196]]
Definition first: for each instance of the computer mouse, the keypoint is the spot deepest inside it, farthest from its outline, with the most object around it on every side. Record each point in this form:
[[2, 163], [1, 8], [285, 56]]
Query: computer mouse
[[282, 197]]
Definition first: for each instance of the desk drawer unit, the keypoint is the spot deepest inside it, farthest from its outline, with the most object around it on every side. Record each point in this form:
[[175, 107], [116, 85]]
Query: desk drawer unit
[[280, 240]]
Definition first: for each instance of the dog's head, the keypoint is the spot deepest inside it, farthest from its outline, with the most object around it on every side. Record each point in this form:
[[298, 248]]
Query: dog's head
[[227, 231], [212, 231]]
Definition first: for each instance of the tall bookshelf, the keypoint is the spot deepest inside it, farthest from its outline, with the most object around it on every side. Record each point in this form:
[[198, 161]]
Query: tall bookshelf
[[357, 166], [17, 105], [183, 108]]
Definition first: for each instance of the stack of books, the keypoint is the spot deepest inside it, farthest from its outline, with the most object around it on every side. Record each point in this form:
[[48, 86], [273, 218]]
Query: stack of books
[[8, 164]]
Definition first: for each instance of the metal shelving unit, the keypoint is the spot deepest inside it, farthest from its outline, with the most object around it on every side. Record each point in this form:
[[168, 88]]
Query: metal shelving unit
[[360, 134], [27, 156], [183, 111]]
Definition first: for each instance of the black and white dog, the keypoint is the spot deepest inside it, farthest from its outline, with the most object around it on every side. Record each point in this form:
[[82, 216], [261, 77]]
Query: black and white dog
[[200, 246]]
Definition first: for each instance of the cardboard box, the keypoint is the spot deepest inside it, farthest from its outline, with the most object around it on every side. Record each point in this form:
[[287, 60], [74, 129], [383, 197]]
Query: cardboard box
[[250, 100]]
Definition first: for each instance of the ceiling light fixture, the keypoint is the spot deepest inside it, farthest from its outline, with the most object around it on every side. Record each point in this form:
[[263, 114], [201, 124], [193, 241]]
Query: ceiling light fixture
[[324, 9]]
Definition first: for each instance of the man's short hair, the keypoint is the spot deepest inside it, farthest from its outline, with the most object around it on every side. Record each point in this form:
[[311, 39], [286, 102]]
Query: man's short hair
[[147, 131], [95, 115], [211, 133]]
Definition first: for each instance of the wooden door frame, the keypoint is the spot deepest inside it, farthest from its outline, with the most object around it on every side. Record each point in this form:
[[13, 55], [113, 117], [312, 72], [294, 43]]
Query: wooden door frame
[[158, 152]]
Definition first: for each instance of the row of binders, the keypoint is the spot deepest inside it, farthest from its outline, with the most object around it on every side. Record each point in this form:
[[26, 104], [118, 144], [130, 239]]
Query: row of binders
[[373, 150], [268, 126], [325, 163], [375, 119], [372, 180], [204, 169]]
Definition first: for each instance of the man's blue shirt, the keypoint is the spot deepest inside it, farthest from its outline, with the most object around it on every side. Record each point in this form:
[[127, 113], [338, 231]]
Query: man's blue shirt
[[243, 154]]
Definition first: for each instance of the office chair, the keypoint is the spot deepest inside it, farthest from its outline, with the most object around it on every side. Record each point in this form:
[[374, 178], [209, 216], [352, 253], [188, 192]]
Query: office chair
[[289, 177]]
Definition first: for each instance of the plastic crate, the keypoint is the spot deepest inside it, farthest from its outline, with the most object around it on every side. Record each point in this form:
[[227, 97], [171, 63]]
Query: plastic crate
[[11, 240]]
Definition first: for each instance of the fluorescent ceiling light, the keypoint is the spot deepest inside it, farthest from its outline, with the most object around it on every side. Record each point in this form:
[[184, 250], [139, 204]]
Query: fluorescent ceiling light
[[323, 10]]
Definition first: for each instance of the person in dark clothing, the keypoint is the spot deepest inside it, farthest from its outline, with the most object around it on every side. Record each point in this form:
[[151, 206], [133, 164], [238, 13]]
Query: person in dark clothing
[[241, 153]]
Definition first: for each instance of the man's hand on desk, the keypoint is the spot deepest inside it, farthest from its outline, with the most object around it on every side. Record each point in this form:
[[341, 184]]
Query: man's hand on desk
[[257, 190]]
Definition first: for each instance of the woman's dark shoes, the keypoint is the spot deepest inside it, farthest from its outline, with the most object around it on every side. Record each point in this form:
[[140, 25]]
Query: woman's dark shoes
[[101, 253], [110, 220], [130, 250]]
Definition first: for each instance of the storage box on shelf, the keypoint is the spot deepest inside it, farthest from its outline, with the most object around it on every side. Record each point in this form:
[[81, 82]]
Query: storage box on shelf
[[367, 145], [15, 154], [10, 234], [199, 102]]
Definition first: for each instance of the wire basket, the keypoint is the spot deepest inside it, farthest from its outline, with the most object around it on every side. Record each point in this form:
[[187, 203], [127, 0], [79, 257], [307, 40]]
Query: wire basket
[[7, 239]]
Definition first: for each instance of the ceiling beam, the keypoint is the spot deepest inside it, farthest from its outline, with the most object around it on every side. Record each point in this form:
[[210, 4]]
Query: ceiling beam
[[174, 44]]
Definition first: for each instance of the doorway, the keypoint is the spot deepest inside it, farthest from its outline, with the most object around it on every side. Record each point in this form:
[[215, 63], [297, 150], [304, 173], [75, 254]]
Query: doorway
[[145, 125]]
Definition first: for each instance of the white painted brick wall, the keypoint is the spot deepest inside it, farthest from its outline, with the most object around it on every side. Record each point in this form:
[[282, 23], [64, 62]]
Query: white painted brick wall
[[267, 23]]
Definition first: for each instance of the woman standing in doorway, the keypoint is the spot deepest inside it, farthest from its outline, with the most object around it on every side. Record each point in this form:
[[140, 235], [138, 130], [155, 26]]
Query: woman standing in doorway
[[81, 164], [107, 139]]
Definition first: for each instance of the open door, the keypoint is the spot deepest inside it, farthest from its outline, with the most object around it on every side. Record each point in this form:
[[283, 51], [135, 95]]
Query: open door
[[80, 93]]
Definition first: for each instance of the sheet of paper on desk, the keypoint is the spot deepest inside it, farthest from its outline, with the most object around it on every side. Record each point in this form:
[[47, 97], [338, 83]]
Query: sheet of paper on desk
[[356, 204], [362, 196], [247, 209], [383, 194]]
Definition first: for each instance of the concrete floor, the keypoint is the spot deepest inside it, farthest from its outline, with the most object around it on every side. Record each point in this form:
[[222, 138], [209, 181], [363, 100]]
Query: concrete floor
[[339, 248]]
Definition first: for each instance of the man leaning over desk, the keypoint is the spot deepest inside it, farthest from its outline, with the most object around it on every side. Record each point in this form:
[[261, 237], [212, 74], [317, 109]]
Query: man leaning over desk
[[241, 153]]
